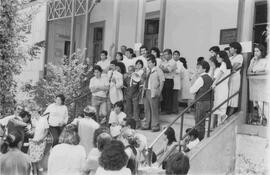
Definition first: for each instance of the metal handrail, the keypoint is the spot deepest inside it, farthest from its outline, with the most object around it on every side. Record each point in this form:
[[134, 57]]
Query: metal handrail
[[190, 105], [185, 110]]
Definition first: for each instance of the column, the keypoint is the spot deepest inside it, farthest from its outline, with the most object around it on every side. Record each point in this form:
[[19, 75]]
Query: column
[[139, 37], [115, 27], [86, 29], [162, 24], [244, 33], [73, 29]]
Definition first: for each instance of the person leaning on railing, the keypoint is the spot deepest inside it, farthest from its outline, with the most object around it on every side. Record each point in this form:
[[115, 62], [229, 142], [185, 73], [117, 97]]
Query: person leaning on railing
[[258, 66]]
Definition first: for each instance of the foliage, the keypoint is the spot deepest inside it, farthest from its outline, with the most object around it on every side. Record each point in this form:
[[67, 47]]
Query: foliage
[[60, 79], [10, 54]]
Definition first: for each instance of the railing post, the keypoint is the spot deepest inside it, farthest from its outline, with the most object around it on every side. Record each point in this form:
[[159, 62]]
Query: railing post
[[209, 123], [181, 131], [149, 156]]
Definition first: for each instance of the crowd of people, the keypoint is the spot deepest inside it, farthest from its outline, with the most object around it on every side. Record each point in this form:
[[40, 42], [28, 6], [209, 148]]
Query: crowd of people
[[104, 139], [82, 147]]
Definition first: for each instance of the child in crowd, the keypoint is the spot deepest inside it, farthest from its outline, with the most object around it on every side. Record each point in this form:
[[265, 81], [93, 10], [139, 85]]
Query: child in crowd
[[191, 141], [116, 119], [200, 86], [178, 163]]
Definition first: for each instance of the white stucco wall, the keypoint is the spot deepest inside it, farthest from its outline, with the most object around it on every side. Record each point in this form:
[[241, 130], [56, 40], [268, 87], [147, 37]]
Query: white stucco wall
[[193, 26]]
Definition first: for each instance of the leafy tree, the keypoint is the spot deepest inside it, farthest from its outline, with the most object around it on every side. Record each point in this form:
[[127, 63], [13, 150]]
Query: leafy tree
[[60, 79], [10, 55]]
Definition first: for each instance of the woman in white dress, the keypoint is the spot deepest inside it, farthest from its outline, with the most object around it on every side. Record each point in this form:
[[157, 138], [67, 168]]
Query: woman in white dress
[[184, 94], [235, 80], [222, 89]]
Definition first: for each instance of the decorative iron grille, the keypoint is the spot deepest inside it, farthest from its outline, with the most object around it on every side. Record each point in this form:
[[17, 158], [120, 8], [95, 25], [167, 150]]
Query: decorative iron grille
[[59, 9]]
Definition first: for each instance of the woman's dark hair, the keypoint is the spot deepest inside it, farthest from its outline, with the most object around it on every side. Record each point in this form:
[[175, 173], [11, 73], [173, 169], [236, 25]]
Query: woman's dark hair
[[62, 97], [120, 105], [99, 131], [170, 135], [104, 52], [120, 54], [23, 114], [122, 67], [177, 163], [183, 60], [114, 62], [224, 56], [155, 49], [134, 55], [131, 122], [192, 132], [200, 59], [262, 49], [236, 46], [113, 157], [11, 141], [176, 51], [97, 67], [140, 62], [130, 50], [215, 49], [102, 140], [70, 135], [152, 58], [215, 61]]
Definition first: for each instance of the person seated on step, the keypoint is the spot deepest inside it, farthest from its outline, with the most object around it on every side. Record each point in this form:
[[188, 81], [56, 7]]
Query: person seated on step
[[191, 141], [169, 147], [116, 119]]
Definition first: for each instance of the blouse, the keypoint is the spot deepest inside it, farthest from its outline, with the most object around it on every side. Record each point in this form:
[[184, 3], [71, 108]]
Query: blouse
[[58, 114], [123, 171], [257, 65], [99, 83], [66, 159]]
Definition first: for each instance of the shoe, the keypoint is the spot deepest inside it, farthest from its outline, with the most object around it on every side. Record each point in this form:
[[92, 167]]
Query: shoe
[[156, 128]]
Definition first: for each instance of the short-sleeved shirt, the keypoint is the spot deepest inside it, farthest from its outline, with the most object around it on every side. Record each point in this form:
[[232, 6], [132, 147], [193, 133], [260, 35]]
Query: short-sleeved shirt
[[104, 65], [58, 114], [99, 83]]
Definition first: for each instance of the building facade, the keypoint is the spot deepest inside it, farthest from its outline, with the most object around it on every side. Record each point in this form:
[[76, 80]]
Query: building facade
[[190, 26]]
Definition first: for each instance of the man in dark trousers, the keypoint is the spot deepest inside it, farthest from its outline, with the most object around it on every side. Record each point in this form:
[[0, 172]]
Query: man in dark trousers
[[201, 85]]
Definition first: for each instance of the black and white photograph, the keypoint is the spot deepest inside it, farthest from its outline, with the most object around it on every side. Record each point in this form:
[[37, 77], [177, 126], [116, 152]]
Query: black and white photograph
[[134, 87]]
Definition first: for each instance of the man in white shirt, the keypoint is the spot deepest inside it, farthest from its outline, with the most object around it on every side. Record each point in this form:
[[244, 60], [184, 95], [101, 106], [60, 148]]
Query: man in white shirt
[[177, 80], [168, 66], [143, 52], [129, 60], [104, 63]]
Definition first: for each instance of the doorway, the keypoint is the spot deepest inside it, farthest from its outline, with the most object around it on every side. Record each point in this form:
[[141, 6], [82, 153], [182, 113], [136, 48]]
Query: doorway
[[96, 38], [151, 33]]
